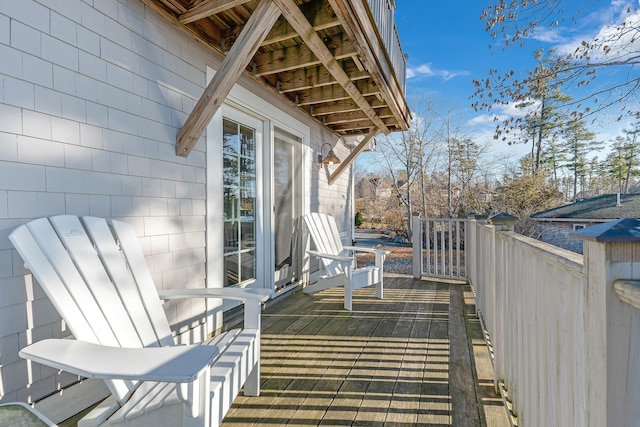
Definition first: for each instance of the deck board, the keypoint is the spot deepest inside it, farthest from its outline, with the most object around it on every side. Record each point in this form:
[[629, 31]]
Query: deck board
[[387, 362]]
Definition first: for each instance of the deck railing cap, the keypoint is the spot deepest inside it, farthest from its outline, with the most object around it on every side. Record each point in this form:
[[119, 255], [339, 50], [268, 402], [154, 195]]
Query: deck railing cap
[[624, 230], [503, 218]]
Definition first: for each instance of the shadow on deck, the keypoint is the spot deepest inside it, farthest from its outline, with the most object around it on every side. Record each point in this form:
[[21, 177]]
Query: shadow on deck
[[417, 357]]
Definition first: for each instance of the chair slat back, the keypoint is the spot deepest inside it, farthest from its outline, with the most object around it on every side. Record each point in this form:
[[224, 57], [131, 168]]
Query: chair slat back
[[80, 268], [138, 297], [144, 284], [324, 233]]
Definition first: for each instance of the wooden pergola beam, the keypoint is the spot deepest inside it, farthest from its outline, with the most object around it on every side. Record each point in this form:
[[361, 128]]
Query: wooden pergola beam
[[254, 32], [306, 32], [208, 8], [319, 14], [344, 106], [318, 95], [361, 125], [296, 57], [352, 156], [354, 116], [306, 78]]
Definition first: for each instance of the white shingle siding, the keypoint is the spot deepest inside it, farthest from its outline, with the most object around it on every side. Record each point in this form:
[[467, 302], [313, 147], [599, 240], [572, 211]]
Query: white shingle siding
[[5, 30], [92, 96], [91, 100], [17, 92]]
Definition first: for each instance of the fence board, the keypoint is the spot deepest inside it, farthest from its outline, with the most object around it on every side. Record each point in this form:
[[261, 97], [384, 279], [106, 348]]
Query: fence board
[[530, 296]]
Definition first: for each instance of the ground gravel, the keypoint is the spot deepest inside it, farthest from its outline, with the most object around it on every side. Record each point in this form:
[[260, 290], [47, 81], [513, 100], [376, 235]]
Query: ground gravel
[[399, 261]]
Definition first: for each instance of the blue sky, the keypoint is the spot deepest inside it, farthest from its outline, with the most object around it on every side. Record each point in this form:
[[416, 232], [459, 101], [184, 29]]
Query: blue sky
[[448, 47]]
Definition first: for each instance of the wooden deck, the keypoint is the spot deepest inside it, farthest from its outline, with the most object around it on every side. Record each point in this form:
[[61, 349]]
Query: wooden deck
[[417, 357]]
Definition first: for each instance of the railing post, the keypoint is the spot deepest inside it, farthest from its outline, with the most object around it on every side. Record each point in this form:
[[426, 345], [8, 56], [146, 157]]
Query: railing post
[[497, 294], [611, 252], [480, 255], [504, 222], [470, 254], [417, 247], [481, 219]]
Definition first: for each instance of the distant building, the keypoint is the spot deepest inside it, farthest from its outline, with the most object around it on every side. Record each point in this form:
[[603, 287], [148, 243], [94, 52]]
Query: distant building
[[554, 225]]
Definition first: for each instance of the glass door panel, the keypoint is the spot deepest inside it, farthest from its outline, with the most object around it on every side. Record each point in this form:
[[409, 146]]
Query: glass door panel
[[287, 204], [239, 201]]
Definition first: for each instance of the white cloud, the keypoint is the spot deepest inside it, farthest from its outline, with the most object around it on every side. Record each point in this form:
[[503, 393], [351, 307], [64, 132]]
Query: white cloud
[[548, 35], [426, 70], [484, 119], [520, 109], [504, 112], [615, 27]]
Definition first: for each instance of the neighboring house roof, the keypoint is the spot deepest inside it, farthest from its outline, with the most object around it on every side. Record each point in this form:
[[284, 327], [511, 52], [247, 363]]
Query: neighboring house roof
[[596, 208]]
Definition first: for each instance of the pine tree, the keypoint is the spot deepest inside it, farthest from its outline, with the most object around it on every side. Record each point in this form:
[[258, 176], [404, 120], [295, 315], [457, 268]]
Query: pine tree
[[578, 143], [631, 153]]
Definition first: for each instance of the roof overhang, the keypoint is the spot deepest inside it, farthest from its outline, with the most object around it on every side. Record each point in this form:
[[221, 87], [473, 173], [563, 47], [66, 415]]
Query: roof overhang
[[329, 58]]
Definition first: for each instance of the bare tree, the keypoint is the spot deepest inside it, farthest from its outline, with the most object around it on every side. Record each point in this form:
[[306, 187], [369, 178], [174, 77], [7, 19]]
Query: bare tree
[[614, 48], [539, 97], [406, 155]]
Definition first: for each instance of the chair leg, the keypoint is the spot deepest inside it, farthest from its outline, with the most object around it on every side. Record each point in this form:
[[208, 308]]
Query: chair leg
[[252, 385], [379, 264], [198, 412], [348, 296], [379, 289]]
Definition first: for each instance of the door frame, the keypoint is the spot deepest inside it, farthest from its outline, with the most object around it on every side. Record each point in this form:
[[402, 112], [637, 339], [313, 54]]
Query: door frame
[[303, 190], [247, 102]]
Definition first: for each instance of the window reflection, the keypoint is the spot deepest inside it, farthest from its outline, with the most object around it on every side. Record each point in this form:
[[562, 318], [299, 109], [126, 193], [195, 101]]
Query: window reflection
[[239, 199]]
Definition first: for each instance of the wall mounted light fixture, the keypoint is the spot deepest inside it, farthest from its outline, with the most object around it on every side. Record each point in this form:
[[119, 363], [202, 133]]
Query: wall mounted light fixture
[[330, 158]]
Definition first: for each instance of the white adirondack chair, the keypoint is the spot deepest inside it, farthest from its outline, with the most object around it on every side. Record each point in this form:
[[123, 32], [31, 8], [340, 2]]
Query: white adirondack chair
[[95, 274], [337, 261]]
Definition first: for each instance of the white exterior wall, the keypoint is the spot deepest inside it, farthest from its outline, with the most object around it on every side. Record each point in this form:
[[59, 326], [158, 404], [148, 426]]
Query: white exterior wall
[[92, 96], [335, 199]]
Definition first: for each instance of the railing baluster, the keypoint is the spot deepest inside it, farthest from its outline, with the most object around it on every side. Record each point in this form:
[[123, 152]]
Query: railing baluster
[[441, 244], [449, 230], [428, 245], [383, 15], [457, 249]]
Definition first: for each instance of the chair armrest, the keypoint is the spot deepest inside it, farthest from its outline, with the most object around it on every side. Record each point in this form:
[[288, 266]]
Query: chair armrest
[[379, 253], [370, 250], [179, 364], [238, 294], [340, 258], [252, 299]]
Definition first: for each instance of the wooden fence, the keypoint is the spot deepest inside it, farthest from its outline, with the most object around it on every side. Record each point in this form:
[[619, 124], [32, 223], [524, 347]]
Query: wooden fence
[[565, 328]]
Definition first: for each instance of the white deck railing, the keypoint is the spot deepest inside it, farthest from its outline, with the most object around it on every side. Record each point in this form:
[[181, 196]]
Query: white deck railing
[[383, 15], [565, 329], [438, 248]]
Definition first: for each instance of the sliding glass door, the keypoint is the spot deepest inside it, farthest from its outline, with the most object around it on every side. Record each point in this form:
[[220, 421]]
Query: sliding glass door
[[287, 205], [254, 197]]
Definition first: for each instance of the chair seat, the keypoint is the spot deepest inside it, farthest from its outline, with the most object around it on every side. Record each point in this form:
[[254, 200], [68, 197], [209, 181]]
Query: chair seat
[[228, 373]]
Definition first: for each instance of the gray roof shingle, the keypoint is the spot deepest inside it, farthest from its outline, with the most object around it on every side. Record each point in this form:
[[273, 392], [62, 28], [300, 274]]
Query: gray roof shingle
[[600, 207]]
